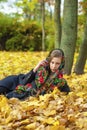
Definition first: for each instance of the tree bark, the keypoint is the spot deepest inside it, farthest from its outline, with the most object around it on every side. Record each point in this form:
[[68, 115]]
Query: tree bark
[[43, 25], [69, 32], [57, 21], [81, 60]]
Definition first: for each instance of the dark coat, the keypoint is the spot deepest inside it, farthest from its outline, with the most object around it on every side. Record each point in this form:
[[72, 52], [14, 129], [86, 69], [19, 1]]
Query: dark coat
[[9, 83]]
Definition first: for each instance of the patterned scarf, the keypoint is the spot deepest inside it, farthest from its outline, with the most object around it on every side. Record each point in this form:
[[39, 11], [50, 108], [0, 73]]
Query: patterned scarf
[[47, 82], [44, 82]]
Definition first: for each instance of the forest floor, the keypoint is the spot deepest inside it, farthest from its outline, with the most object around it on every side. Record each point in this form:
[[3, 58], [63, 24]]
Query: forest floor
[[52, 111]]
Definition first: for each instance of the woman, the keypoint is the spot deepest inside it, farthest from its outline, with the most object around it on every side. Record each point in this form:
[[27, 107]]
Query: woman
[[47, 75]]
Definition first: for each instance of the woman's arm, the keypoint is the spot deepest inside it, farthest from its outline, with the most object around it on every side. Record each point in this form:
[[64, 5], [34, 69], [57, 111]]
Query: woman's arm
[[30, 76], [64, 88], [27, 78], [41, 63]]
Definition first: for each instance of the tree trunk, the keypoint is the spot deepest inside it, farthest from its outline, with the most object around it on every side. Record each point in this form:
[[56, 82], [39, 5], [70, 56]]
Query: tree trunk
[[43, 25], [57, 21], [81, 61], [3, 40], [69, 32], [51, 14]]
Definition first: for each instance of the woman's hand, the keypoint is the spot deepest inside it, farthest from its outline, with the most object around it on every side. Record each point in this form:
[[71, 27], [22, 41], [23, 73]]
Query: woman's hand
[[41, 63]]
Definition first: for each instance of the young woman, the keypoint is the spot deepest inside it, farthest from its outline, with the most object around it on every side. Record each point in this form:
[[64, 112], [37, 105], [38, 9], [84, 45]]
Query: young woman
[[47, 75]]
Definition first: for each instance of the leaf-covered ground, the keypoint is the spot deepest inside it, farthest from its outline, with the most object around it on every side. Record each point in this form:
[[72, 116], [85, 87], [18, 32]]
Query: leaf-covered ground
[[54, 111]]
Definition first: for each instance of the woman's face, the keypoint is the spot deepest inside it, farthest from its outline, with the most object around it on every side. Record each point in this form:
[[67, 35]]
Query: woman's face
[[55, 63]]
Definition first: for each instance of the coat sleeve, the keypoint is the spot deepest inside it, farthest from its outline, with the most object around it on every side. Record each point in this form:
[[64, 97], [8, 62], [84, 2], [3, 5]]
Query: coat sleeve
[[65, 88], [27, 78]]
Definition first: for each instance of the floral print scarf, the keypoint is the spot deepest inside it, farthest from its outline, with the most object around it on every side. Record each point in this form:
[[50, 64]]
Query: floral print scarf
[[47, 82], [44, 82]]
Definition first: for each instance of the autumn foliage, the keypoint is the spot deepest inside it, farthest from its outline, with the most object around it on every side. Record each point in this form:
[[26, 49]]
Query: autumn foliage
[[54, 111]]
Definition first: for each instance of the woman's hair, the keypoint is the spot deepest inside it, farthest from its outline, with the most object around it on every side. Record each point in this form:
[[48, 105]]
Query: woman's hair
[[57, 53]]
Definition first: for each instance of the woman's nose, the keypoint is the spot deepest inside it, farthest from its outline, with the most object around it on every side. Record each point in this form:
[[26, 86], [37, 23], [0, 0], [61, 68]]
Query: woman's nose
[[54, 66]]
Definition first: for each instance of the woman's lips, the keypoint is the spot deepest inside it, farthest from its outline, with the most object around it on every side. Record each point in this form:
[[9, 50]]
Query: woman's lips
[[53, 70]]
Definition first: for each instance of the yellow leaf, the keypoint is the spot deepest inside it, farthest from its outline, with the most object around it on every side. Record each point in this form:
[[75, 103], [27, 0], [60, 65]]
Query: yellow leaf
[[49, 120], [26, 121], [31, 126], [80, 94], [1, 128], [8, 119], [85, 113], [49, 112], [56, 123], [4, 106], [45, 97], [55, 128]]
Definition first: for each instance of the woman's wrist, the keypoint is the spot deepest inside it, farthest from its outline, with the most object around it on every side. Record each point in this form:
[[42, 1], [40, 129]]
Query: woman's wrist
[[35, 69], [41, 63]]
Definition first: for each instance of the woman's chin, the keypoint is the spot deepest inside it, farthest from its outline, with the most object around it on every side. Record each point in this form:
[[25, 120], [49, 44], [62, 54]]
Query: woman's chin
[[53, 71]]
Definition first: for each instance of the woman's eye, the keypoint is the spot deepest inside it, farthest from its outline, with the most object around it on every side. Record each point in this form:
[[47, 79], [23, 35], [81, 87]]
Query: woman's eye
[[58, 63], [52, 62]]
